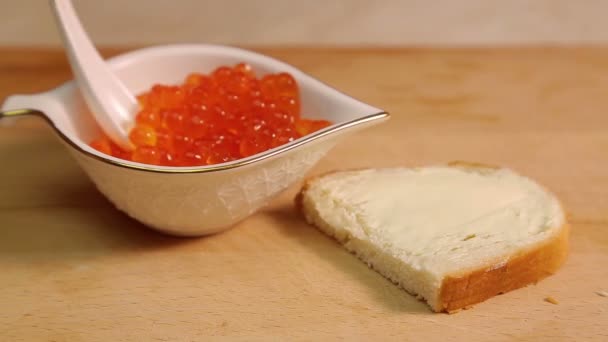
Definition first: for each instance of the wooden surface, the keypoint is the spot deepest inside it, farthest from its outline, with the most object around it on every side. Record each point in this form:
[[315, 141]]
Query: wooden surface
[[75, 269]]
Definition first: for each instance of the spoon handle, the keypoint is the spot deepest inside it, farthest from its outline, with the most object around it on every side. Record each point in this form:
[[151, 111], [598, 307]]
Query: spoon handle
[[107, 97]]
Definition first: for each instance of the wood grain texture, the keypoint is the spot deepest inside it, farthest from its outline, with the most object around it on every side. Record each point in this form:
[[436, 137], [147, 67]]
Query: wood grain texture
[[75, 269]]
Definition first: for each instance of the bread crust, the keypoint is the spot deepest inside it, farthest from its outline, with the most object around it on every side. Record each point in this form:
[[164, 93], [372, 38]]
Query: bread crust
[[461, 291], [527, 267], [524, 268]]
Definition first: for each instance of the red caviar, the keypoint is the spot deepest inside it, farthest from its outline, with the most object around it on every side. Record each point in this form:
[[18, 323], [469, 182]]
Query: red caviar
[[209, 119]]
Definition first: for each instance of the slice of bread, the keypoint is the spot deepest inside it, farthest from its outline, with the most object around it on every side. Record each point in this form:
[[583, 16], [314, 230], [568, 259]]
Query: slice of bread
[[454, 235]]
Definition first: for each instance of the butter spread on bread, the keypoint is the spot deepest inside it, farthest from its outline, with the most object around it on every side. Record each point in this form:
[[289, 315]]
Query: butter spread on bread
[[453, 235]]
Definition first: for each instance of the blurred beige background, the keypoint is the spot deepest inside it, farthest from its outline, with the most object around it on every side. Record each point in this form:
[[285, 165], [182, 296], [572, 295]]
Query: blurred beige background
[[316, 22]]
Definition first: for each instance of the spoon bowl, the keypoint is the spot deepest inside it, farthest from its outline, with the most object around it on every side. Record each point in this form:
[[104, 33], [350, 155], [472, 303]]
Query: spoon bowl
[[193, 201]]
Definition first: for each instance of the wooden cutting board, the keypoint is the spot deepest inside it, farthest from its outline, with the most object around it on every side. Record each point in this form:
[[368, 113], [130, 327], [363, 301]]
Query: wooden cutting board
[[76, 269]]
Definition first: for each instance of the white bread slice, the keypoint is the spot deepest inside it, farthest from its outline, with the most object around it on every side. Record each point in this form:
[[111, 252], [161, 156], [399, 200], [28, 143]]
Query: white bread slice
[[454, 235]]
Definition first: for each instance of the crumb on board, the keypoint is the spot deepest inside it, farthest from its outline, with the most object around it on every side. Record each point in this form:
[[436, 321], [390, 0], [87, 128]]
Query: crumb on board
[[469, 237], [602, 293], [551, 300]]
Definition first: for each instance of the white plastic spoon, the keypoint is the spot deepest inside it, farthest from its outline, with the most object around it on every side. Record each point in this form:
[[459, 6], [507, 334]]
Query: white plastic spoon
[[108, 99]]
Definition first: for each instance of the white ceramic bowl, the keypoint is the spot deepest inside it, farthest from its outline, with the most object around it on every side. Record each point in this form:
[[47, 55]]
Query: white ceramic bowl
[[191, 201]]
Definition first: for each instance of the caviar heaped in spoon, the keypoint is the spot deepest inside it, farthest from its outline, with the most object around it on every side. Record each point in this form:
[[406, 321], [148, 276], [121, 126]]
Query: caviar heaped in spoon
[[209, 119]]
